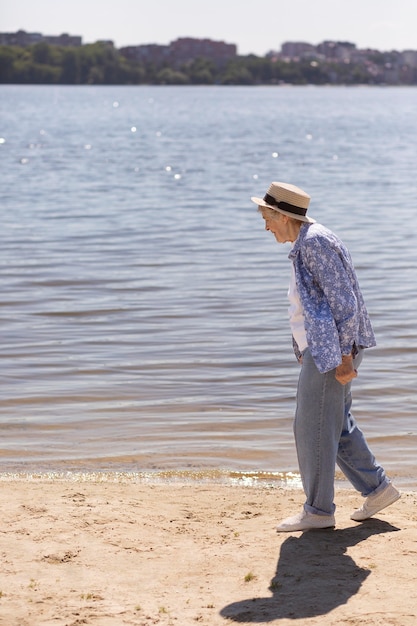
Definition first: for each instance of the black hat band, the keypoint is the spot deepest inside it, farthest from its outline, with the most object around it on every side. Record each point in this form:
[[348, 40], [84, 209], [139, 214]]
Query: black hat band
[[285, 206]]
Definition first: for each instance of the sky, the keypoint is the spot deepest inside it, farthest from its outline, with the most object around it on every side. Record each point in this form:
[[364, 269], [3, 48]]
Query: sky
[[255, 27]]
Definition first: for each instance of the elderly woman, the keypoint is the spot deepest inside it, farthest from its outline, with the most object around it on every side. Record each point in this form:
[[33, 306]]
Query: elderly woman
[[330, 328]]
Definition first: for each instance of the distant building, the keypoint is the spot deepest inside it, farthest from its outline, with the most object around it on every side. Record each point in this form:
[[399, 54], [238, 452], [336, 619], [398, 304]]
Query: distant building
[[336, 50], [296, 49], [409, 58], [181, 51], [187, 49], [150, 53], [23, 39], [64, 40]]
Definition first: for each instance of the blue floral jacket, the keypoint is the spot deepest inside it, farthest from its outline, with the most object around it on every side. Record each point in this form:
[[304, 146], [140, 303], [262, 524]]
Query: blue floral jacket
[[335, 315]]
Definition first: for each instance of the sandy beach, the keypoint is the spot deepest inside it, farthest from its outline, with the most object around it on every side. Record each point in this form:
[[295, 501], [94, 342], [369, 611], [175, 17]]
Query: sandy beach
[[114, 553]]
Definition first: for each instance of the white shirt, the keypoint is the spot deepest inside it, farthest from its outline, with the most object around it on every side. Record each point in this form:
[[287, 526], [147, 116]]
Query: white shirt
[[296, 314]]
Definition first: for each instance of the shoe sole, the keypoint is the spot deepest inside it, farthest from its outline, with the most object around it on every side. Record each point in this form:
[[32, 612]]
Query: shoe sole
[[297, 530]]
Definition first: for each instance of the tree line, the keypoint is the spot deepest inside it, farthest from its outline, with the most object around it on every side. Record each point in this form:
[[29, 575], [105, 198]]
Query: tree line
[[101, 64]]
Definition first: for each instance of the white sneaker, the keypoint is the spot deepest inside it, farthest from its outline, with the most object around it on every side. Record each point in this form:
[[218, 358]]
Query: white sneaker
[[375, 503], [306, 521]]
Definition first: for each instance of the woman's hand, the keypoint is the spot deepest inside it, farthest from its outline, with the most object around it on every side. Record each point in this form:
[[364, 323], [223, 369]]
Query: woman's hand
[[345, 372]]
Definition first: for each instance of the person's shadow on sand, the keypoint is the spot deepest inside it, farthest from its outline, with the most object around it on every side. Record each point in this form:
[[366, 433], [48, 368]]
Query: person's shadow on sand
[[314, 575]]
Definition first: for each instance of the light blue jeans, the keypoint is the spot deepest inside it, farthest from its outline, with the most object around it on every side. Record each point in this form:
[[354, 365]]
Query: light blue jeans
[[326, 433]]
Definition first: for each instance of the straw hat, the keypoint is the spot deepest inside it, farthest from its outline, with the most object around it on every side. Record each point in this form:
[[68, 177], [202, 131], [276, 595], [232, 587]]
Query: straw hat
[[287, 199]]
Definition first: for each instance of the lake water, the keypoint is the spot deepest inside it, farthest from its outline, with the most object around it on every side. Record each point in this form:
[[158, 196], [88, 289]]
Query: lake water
[[144, 309]]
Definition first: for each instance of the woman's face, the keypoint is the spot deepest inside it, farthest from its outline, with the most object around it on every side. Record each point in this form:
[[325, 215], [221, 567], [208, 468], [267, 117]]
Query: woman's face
[[277, 224]]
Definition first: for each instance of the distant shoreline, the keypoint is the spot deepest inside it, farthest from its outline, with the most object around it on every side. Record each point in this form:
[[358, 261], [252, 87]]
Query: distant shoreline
[[102, 64], [281, 86]]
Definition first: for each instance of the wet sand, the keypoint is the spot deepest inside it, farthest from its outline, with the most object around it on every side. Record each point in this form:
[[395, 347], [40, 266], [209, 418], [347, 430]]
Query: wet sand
[[114, 553]]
